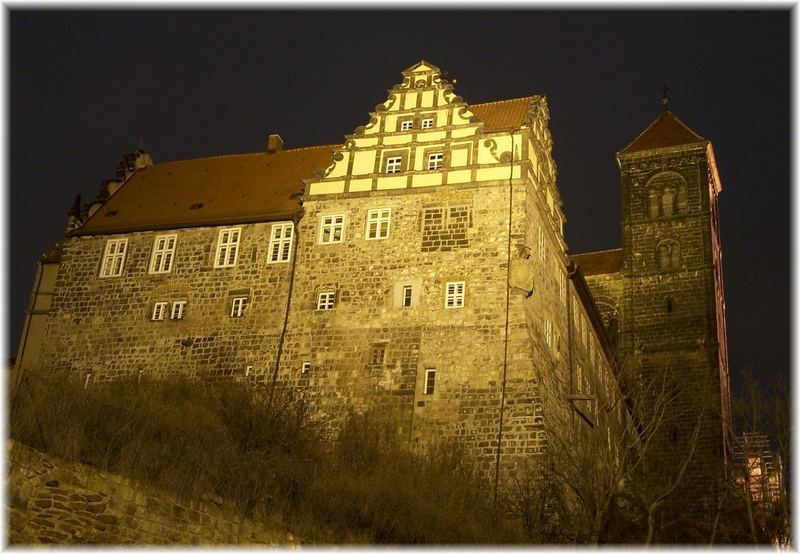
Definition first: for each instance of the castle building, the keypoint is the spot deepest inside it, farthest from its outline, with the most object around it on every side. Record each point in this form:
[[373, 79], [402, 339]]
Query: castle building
[[420, 266]]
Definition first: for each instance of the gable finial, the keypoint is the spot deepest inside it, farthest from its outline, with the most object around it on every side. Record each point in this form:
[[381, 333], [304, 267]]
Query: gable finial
[[665, 98]]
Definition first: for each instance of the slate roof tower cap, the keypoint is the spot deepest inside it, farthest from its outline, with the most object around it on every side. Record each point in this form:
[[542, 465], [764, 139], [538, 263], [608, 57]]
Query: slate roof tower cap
[[274, 143]]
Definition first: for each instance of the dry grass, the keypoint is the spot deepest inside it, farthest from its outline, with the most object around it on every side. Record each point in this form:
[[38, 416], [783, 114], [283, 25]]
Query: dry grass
[[194, 438]]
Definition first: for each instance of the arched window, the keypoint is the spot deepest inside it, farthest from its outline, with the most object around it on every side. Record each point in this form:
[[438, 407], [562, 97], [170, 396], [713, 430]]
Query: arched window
[[669, 255], [667, 195]]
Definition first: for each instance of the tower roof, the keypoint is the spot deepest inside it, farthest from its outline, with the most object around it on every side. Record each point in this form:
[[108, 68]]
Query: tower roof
[[667, 130]]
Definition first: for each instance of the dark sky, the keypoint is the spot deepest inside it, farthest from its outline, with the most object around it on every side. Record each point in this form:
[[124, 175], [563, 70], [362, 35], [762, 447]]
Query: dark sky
[[85, 85]]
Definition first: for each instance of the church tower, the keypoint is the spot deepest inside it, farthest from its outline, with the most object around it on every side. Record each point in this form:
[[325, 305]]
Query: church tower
[[672, 339]]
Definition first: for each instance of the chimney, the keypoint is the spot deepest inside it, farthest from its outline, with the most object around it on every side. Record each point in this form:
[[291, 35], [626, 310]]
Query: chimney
[[274, 143]]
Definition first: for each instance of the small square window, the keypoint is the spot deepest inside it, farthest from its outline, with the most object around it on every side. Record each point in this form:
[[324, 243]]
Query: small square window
[[406, 125], [378, 355], [163, 253], [454, 294], [427, 123], [378, 223], [178, 310], [331, 229], [430, 381], [114, 258], [306, 367], [238, 306], [407, 290], [435, 160], [394, 164], [326, 300], [159, 311]]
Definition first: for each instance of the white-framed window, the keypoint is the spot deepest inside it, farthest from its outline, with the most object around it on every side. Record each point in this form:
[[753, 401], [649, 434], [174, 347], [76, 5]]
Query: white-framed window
[[548, 332], [163, 253], [114, 257], [331, 229], [454, 294], [178, 309], [562, 285], [227, 247], [406, 299], [159, 311], [378, 223], [326, 300], [406, 125], [541, 243], [427, 123], [280, 243], [430, 381], [378, 354], [394, 164], [435, 160], [305, 368], [238, 306]]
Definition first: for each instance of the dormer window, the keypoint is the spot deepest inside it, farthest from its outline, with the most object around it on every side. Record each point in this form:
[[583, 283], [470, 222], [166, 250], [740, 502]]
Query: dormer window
[[394, 164]]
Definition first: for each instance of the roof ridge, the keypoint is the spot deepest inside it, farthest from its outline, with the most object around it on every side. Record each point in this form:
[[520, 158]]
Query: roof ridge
[[597, 251], [506, 100], [246, 154]]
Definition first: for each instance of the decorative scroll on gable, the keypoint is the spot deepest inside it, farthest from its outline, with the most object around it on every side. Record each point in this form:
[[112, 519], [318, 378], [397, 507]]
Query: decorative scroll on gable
[[423, 135]]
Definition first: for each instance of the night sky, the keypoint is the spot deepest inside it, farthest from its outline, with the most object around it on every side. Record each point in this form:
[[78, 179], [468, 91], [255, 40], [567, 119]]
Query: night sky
[[85, 86]]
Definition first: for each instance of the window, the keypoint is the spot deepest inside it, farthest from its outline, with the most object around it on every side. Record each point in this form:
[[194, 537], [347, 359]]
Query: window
[[378, 355], [454, 294], [430, 380], [435, 160], [331, 230], [238, 306], [378, 223], [227, 247], [427, 123], [326, 300], [541, 243], [562, 285], [407, 290], [406, 125], [548, 332], [306, 367], [394, 164], [163, 253], [669, 256], [159, 311], [280, 243], [114, 258], [178, 310]]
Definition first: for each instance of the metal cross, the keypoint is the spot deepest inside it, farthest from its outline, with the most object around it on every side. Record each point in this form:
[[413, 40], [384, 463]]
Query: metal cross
[[665, 98]]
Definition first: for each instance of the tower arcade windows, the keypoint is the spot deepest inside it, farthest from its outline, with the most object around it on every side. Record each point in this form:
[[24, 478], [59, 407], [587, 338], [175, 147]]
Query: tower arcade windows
[[668, 255], [666, 195]]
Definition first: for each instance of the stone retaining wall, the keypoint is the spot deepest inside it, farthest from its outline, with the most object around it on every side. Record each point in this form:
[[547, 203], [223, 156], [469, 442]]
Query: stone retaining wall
[[49, 500]]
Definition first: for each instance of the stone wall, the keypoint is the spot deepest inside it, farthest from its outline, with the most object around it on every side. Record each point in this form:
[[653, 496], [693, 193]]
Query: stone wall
[[49, 500], [104, 324]]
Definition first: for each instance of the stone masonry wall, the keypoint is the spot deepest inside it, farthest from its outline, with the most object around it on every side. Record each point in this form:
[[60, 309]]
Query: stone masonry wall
[[669, 322], [103, 324], [49, 500]]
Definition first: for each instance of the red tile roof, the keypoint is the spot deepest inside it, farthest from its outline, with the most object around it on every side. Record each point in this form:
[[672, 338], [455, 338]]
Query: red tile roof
[[667, 130], [599, 263], [502, 115], [210, 191], [238, 188]]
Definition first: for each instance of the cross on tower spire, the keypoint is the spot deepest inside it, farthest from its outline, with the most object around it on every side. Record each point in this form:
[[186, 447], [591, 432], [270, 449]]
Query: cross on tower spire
[[665, 98]]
